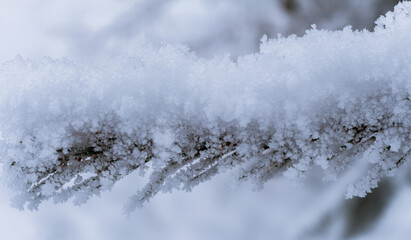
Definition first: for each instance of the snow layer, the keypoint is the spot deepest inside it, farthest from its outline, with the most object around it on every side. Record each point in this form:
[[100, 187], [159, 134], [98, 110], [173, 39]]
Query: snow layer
[[72, 128]]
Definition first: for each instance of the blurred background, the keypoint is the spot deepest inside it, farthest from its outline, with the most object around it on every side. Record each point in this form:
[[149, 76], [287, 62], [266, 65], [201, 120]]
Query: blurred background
[[217, 209]]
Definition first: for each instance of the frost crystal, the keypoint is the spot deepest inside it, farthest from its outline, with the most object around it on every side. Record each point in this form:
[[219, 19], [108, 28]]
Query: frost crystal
[[72, 129]]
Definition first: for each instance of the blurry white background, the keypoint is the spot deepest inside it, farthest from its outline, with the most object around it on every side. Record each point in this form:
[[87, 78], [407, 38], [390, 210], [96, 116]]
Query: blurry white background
[[90, 29]]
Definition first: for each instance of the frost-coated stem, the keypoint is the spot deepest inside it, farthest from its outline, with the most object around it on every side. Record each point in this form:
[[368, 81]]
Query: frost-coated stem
[[73, 129]]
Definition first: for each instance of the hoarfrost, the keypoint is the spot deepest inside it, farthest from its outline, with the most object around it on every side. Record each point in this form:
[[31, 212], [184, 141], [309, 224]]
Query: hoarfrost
[[327, 98]]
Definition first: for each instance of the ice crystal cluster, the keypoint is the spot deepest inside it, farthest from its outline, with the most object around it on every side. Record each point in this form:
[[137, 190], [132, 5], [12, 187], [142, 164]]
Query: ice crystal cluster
[[332, 99]]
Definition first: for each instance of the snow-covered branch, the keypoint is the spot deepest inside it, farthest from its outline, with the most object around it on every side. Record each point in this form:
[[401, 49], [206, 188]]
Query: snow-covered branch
[[73, 129]]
